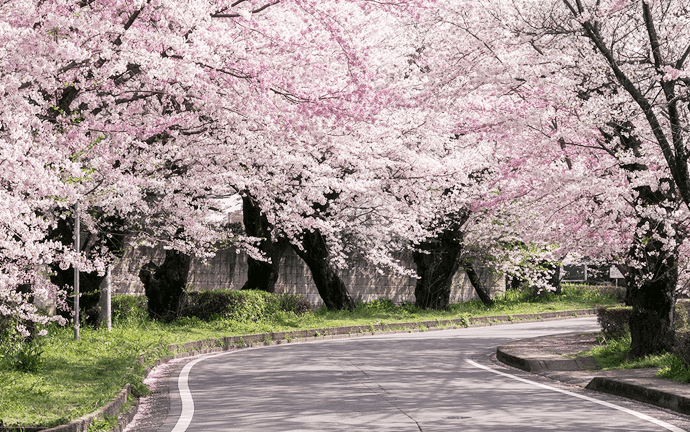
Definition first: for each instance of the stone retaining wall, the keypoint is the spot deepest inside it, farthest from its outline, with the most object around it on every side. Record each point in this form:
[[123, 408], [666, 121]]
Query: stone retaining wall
[[228, 270]]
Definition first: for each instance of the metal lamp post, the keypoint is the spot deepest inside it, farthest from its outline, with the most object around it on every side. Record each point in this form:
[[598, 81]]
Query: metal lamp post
[[77, 246]]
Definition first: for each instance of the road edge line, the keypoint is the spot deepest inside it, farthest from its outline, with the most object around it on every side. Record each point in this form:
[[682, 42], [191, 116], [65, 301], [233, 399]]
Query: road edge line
[[639, 415]]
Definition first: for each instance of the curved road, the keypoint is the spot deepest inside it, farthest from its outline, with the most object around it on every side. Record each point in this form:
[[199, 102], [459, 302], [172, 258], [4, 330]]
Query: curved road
[[433, 381]]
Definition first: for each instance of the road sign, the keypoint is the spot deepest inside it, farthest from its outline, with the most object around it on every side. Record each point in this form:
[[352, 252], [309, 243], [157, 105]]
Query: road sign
[[614, 273]]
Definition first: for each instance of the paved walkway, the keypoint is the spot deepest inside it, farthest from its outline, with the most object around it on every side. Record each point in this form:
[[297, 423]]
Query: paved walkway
[[548, 356]]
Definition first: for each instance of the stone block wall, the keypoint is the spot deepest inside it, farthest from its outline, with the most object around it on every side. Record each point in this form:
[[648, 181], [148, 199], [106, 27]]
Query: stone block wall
[[228, 270]]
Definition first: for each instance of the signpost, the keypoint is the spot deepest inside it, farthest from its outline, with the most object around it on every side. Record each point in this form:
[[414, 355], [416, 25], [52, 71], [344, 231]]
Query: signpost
[[616, 274]]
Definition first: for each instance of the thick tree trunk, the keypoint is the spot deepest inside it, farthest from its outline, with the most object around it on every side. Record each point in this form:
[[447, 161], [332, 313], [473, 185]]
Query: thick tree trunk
[[437, 262], [652, 318], [651, 283], [331, 288], [261, 275], [165, 284], [651, 292], [476, 282]]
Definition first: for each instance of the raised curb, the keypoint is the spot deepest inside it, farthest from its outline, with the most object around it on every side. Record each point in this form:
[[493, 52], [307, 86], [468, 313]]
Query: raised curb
[[641, 386], [504, 355], [230, 343], [640, 393]]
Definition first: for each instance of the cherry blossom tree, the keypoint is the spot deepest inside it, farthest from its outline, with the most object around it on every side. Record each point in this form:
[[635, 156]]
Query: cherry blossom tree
[[586, 106], [631, 59], [153, 110]]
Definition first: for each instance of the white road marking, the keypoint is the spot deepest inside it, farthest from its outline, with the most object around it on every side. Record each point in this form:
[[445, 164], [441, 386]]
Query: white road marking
[[186, 395], [663, 424]]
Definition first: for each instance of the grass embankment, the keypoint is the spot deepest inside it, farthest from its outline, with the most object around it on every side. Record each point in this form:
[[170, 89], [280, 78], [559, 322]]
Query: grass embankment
[[615, 352], [77, 377]]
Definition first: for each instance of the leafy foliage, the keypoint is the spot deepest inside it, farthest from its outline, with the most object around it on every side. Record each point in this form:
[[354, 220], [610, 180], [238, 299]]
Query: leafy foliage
[[683, 346], [241, 306], [23, 356], [615, 354], [128, 309], [683, 332], [297, 303], [614, 321]]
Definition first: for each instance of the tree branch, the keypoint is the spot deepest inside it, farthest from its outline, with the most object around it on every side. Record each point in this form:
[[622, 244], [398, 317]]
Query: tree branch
[[680, 173], [130, 21], [235, 15], [681, 165]]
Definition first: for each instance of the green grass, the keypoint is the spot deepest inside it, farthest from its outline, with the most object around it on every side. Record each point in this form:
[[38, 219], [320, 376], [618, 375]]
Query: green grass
[[77, 377], [615, 354]]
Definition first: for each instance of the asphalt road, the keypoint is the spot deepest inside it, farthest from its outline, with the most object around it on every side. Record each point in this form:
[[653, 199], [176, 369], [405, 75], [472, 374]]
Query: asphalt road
[[431, 381]]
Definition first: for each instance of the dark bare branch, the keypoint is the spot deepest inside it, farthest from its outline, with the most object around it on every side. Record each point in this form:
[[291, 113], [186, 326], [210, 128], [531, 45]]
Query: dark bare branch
[[681, 60], [130, 22], [235, 15]]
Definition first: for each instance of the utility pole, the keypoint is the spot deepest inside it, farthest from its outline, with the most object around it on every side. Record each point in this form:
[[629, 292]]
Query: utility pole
[[108, 298], [77, 246]]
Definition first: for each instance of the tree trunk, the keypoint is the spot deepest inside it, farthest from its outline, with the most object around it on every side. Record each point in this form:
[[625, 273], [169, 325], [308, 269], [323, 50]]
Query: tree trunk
[[165, 284], [652, 318], [331, 288], [651, 284], [476, 282], [261, 275], [652, 291], [437, 262]]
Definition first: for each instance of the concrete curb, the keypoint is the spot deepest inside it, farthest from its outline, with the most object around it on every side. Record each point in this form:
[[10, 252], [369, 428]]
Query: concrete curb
[[641, 386], [231, 343], [504, 355], [640, 393]]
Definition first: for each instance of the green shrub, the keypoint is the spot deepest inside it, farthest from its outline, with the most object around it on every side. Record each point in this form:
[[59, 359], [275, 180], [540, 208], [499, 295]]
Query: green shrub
[[682, 315], [676, 368], [23, 356], [411, 308], [381, 305], [595, 293], [683, 346], [610, 291], [128, 308], [297, 303], [6, 329], [614, 321], [242, 306]]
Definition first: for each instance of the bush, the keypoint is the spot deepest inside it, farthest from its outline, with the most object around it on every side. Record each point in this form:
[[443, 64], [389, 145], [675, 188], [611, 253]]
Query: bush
[[24, 356], [614, 321], [381, 305], [682, 315], [682, 323], [244, 306], [297, 303], [411, 308], [683, 346], [128, 308], [611, 291], [595, 293]]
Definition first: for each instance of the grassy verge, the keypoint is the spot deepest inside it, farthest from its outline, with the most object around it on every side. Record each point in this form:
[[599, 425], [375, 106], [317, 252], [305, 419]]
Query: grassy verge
[[615, 354], [77, 377]]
